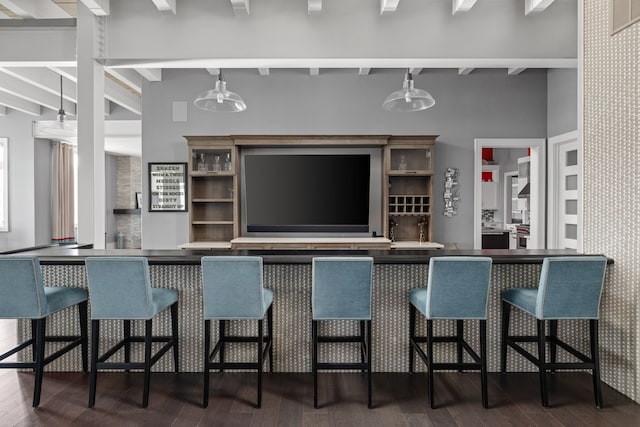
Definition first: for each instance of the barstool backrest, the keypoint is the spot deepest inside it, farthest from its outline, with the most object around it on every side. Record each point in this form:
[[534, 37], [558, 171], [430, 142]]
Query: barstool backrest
[[341, 288], [570, 287], [21, 288], [458, 287], [232, 287], [119, 287]]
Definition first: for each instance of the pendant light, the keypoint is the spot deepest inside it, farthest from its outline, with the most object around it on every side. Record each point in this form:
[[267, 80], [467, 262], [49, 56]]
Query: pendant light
[[220, 99], [408, 98], [62, 116], [60, 128]]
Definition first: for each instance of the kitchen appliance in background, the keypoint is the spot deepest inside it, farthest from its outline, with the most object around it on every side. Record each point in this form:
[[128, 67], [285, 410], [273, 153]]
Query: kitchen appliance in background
[[522, 236]]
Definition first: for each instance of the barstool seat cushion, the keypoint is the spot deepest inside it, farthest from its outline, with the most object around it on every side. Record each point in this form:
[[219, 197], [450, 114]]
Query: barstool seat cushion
[[418, 297], [161, 299], [59, 298], [523, 298]]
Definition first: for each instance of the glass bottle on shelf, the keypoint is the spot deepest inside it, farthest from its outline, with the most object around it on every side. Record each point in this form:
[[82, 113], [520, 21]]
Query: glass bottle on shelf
[[403, 163], [216, 166], [202, 163], [227, 162]]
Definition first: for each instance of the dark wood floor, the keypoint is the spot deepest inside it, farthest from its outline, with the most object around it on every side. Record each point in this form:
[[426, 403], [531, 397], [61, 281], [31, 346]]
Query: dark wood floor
[[399, 400]]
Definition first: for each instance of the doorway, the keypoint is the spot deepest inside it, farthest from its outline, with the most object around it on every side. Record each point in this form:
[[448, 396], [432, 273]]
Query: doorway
[[536, 200]]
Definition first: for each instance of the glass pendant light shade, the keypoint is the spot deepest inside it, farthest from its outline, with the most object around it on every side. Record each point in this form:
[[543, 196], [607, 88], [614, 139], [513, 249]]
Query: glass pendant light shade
[[220, 99], [60, 128], [408, 98]]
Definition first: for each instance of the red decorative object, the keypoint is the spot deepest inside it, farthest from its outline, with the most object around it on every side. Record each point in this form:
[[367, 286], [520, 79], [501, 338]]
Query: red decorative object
[[487, 154], [487, 176]]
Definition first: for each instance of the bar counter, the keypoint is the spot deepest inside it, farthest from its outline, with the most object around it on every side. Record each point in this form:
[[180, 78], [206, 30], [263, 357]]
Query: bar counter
[[288, 274]]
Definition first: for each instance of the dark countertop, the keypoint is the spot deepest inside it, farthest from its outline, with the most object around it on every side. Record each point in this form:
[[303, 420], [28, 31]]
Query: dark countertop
[[62, 255]]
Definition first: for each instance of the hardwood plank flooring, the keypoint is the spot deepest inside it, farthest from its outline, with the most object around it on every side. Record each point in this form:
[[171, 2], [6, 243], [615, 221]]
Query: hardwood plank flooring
[[399, 400]]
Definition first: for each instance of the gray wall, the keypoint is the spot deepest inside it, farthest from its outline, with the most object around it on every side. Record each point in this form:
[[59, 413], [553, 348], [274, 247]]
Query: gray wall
[[562, 101], [483, 104]]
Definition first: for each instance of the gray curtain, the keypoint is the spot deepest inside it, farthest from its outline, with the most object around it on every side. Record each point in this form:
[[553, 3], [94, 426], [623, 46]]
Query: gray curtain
[[62, 194]]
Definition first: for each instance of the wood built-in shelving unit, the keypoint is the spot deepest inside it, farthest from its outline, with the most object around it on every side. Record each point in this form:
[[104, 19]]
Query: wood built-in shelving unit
[[214, 216], [213, 213], [409, 192]]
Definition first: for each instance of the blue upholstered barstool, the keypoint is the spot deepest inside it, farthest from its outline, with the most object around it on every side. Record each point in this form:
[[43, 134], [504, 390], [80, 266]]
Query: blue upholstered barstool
[[232, 289], [569, 288], [120, 289], [341, 290], [457, 288], [23, 296]]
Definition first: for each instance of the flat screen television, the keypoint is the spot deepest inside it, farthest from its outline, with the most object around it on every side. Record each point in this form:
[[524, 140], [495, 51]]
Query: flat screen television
[[307, 192]]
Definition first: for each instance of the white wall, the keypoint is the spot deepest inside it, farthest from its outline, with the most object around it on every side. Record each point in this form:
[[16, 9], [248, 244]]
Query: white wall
[[17, 127], [483, 104]]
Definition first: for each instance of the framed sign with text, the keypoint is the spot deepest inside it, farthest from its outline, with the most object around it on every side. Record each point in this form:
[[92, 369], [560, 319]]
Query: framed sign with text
[[168, 187]]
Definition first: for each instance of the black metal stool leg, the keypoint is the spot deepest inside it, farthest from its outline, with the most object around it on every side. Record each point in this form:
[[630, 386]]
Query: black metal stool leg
[[430, 361], [460, 337], [595, 356], [369, 399], [127, 343], [542, 363], [221, 337], [506, 313], [553, 333], [412, 335], [147, 362], [260, 360], [270, 332], [34, 349], [314, 363], [483, 362], [41, 325], [363, 343], [84, 335], [174, 333], [207, 346], [95, 336]]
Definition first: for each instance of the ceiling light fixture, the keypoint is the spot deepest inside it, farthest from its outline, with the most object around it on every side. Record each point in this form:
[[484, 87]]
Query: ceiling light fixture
[[60, 128], [220, 99], [62, 116], [408, 98]]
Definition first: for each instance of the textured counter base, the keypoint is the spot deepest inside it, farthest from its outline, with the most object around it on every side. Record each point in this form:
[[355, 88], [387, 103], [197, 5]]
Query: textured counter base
[[292, 319]]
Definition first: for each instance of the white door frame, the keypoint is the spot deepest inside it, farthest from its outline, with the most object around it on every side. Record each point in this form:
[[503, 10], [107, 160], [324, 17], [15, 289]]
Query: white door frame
[[554, 156], [537, 204]]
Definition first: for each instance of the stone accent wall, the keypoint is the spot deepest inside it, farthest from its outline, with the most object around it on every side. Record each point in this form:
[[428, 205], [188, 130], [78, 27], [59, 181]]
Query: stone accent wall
[[611, 194], [128, 182]]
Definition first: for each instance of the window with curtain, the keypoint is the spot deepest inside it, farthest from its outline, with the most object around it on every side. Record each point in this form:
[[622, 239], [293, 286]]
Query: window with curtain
[[4, 185], [63, 194]]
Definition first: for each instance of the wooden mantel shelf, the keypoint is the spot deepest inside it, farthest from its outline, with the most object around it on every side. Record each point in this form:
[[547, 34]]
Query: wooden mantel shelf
[[127, 211]]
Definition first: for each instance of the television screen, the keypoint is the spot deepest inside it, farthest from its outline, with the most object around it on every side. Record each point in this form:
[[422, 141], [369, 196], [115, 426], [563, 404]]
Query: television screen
[[307, 193]]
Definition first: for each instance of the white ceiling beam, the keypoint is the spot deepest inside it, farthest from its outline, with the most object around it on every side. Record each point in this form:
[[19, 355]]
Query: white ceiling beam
[[240, 7], [121, 96], [151, 74], [514, 71], [165, 5], [364, 71], [465, 71], [20, 104], [388, 6], [21, 89], [415, 70], [314, 71], [461, 5], [3, 110], [112, 91], [127, 76], [35, 9], [536, 6], [44, 79], [263, 71], [314, 6], [213, 71], [4, 16], [107, 107], [98, 7]]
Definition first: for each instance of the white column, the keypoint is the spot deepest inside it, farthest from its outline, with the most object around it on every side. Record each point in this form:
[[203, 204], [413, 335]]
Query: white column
[[91, 162]]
